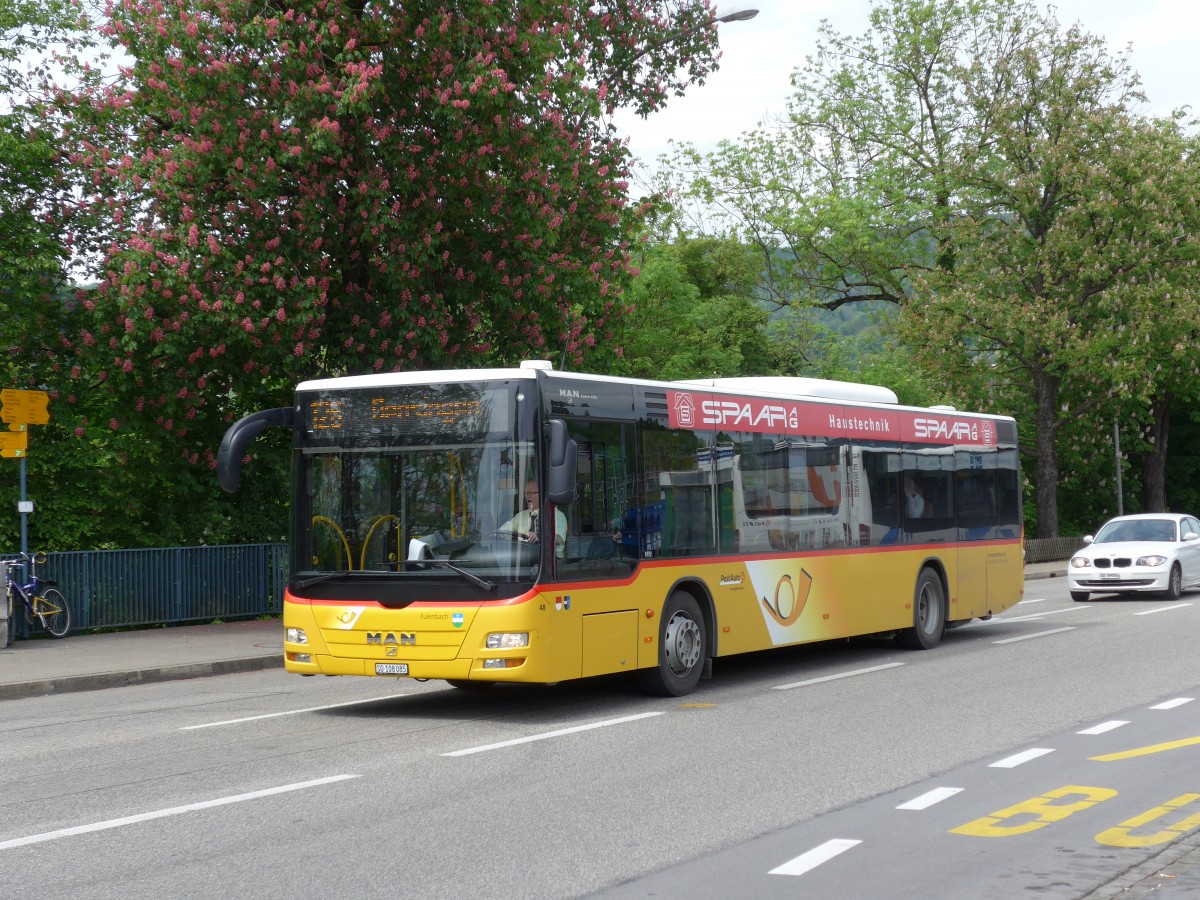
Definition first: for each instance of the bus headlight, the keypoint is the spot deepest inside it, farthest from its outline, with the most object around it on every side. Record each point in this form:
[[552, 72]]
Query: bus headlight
[[295, 636], [507, 640]]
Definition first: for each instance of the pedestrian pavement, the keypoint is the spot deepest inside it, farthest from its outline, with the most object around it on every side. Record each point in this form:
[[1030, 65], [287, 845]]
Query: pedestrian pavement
[[82, 662]]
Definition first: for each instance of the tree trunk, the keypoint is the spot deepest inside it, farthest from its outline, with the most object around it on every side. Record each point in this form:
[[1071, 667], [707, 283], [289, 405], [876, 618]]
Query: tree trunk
[[1046, 424], [1154, 461]]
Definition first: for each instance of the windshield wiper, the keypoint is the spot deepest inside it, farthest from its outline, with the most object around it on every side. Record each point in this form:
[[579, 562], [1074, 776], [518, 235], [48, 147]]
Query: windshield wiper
[[470, 576], [348, 573], [327, 576]]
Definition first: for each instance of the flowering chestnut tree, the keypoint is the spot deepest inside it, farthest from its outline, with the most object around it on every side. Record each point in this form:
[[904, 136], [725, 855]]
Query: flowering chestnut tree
[[288, 190]]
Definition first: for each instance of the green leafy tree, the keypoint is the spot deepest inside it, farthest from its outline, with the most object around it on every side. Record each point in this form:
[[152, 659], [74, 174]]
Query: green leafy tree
[[342, 188], [692, 313], [982, 167], [277, 194]]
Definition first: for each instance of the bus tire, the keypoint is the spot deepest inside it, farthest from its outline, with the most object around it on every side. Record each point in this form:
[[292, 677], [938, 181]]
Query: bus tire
[[682, 647], [929, 614]]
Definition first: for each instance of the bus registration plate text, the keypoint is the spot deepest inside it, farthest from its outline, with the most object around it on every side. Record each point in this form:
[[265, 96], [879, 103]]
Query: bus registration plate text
[[391, 668]]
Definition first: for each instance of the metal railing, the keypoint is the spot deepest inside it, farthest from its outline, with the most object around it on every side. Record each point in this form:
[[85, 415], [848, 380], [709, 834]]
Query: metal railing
[[1051, 549], [169, 585]]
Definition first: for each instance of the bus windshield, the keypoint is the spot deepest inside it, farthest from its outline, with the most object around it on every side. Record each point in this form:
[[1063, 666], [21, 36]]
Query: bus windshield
[[415, 479]]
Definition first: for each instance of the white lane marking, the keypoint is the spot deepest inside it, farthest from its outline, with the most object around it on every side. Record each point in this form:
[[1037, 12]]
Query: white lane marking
[[1011, 762], [1040, 615], [1033, 600], [1103, 727], [163, 813], [1032, 617], [552, 734], [1036, 634], [1150, 612], [929, 798], [796, 684], [814, 857], [290, 712], [1171, 704]]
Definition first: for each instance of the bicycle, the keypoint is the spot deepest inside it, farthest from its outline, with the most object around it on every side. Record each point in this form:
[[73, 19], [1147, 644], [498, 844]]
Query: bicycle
[[42, 603]]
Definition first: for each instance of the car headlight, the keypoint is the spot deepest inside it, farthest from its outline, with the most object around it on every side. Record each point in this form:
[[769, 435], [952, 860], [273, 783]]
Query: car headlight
[[1080, 562], [1150, 560], [296, 636], [507, 640]]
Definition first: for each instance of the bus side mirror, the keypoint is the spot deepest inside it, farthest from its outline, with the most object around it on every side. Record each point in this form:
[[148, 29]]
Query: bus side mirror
[[238, 438], [561, 459]]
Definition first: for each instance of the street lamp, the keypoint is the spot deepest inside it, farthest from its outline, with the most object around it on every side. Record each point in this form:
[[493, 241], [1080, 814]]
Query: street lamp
[[738, 15]]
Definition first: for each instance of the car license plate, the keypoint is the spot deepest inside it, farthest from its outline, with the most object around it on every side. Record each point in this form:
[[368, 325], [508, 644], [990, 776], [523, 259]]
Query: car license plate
[[1111, 575], [391, 668]]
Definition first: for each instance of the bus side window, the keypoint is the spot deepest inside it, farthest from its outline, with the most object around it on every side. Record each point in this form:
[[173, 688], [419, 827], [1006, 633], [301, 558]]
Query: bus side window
[[595, 518]]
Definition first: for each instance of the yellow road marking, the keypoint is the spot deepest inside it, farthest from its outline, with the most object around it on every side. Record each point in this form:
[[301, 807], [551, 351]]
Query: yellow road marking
[[1146, 751]]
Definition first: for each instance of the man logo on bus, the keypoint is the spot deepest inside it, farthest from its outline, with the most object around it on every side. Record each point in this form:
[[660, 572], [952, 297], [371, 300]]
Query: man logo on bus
[[685, 409], [789, 601]]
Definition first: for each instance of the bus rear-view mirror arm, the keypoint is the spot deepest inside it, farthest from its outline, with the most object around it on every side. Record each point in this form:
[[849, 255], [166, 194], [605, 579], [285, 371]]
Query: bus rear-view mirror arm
[[238, 438]]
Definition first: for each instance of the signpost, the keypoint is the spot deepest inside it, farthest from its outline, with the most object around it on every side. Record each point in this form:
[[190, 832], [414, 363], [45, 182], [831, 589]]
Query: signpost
[[20, 410]]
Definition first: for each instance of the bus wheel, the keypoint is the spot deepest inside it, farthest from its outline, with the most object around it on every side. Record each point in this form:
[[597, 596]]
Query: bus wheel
[[929, 614], [681, 648]]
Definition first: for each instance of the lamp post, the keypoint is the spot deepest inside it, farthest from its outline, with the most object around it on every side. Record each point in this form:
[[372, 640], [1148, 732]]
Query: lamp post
[[738, 15]]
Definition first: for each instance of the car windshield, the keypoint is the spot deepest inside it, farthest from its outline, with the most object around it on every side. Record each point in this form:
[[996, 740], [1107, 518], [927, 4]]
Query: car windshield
[[1118, 531]]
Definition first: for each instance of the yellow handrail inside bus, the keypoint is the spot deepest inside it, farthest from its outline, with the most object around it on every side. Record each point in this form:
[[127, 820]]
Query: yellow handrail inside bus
[[362, 563], [341, 534], [457, 477]]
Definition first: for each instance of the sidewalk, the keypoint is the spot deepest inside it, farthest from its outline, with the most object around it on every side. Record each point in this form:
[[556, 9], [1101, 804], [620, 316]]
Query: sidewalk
[[84, 662]]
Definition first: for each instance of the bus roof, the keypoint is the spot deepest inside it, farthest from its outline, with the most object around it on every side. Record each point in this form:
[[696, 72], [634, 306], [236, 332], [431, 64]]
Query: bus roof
[[794, 386], [772, 385]]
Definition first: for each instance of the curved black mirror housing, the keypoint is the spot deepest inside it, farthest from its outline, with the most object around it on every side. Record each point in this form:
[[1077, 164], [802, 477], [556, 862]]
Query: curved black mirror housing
[[561, 458], [238, 438]]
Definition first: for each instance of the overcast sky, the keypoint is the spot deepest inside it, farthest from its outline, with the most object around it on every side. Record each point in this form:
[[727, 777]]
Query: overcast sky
[[759, 55]]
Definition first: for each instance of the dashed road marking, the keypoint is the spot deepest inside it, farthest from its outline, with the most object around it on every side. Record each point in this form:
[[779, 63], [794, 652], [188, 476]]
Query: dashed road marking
[[1150, 612], [1036, 634], [796, 684], [929, 798], [1171, 704], [290, 712], [551, 734], [163, 813], [810, 860], [1011, 762]]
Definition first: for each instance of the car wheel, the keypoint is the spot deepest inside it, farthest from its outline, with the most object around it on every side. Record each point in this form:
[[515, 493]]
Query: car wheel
[[1080, 596], [1174, 583]]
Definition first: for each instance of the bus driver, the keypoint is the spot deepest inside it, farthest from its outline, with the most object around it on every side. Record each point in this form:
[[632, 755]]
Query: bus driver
[[524, 524]]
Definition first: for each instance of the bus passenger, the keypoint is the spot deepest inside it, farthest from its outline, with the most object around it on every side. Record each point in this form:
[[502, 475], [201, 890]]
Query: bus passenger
[[914, 503]]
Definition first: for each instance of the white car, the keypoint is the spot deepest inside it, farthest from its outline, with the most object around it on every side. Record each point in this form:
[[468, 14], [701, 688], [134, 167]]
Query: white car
[[1150, 553]]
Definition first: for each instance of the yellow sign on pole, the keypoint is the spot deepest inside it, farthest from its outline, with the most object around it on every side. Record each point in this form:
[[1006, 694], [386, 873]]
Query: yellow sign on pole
[[14, 441], [24, 407]]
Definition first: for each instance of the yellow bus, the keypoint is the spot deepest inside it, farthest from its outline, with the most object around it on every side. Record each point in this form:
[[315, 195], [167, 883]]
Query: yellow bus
[[532, 525]]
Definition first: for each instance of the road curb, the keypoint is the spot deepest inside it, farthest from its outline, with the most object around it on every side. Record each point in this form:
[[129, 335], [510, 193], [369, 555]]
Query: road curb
[[101, 681], [1159, 871]]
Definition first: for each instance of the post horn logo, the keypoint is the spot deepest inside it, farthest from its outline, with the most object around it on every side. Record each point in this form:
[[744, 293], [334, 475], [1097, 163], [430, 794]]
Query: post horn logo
[[789, 601]]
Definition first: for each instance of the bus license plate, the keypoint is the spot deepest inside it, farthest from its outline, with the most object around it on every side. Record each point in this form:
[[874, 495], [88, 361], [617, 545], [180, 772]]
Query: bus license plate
[[391, 668]]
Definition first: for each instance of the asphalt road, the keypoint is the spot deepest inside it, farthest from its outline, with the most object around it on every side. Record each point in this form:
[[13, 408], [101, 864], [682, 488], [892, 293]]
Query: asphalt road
[[268, 785]]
